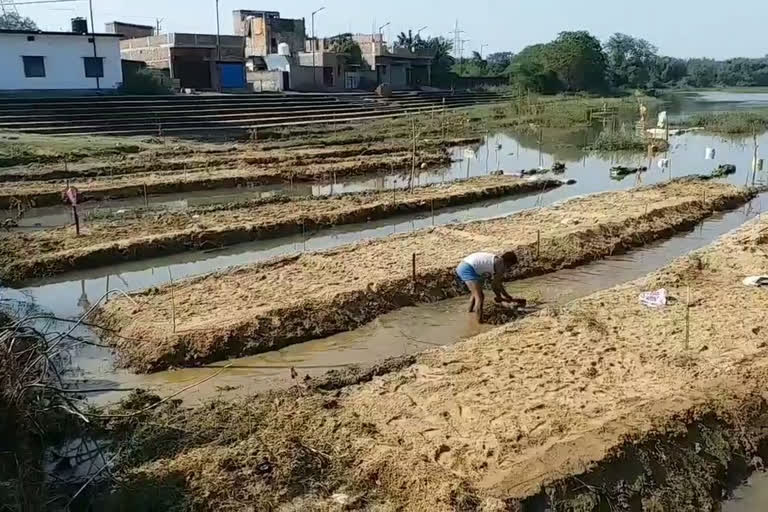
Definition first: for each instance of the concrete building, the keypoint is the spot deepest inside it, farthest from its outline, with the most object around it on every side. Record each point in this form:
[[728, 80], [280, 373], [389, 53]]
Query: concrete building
[[264, 31], [37, 60], [192, 59], [129, 30], [399, 67]]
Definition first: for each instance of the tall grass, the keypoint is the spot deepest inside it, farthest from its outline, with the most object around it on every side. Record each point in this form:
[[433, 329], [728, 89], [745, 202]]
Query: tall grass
[[731, 122]]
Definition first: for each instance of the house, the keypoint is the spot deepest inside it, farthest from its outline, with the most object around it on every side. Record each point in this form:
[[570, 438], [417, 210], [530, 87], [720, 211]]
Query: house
[[197, 61], [265, 31], [129, 30], [399, 67], [63, 61]]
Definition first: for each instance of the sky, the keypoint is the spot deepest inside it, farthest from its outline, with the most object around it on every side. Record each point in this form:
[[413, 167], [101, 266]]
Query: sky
[[680, 28]]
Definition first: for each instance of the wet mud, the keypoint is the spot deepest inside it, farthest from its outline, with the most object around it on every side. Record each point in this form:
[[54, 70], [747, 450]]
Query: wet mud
[[263, 307], [602, 404], [34, 254]]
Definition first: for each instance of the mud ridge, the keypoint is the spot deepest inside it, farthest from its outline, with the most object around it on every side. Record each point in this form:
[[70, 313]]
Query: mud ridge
[[285, 217], [262, 307], [599, 405], [690, 463], [40, 194]]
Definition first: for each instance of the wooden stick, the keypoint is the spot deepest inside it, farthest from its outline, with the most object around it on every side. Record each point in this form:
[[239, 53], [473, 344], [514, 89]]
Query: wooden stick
[[688, 319], [413, 265], [173, 301], [538, 244], [77, 219]]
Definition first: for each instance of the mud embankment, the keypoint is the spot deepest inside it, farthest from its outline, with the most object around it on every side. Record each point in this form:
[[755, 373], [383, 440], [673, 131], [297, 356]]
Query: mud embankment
[[603, 404], [263, 307], [235, 156], [25, 255], [38, 193]]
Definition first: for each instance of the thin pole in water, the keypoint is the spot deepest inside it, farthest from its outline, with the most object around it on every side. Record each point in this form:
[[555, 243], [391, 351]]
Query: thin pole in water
[[173, 301], [432, 205], [754, 159]]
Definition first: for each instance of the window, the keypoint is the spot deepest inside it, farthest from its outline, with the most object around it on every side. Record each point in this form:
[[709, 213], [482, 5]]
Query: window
[[34, 67], [94, 67]]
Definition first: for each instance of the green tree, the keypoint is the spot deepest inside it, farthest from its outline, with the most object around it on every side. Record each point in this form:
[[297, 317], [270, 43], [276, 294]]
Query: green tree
[[14, 21], [409, 41], [529, 71], [631, 61], [345, 44], [499, 62], [702, 72], [579, 61]]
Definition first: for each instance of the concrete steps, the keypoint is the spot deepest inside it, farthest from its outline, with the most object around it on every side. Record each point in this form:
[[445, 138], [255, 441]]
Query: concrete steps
[[130, 115]]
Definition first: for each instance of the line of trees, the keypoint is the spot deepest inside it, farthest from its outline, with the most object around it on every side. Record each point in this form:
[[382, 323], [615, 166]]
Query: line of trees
[[577, 61]]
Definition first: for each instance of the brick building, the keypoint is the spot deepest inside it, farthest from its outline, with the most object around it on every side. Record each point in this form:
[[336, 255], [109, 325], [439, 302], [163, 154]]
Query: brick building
[[264, 31]]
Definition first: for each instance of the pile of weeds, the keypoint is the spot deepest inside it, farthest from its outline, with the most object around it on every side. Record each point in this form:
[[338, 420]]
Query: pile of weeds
[[34, 416], [263, 452]]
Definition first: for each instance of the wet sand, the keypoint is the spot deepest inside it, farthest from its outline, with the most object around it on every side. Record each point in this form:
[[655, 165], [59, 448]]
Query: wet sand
[[263, 307]]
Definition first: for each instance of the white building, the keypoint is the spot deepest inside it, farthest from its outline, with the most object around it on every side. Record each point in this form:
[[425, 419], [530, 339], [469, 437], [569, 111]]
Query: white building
[[37, 60]]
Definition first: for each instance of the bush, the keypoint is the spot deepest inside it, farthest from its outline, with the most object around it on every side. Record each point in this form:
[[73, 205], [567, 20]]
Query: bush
[[145, 82]]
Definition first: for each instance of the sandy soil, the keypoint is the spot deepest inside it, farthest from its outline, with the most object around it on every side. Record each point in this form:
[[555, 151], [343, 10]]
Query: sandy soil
[[485, 424], [45, 252], [261, 307]]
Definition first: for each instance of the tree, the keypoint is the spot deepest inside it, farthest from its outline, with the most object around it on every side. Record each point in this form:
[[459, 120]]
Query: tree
[[499, 62], [14, 21], [631, 61], [529, 71], [702, 72], [579, 61], [409, 41], [345, 44]]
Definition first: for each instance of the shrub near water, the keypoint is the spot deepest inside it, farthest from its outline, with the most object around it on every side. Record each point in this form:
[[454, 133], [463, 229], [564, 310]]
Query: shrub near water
[[731, 122]]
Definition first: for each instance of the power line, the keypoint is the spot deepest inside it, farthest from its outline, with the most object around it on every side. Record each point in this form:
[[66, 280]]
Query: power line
[[33, 2]]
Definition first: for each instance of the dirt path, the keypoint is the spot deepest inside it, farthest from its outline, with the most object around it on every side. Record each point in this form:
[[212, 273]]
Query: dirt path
[[603, 404], [27, 254], [262, 307]]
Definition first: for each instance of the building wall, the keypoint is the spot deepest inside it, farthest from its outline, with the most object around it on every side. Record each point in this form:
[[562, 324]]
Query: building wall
[[261, 81], [129, 30], [264, 34], [64, 67]]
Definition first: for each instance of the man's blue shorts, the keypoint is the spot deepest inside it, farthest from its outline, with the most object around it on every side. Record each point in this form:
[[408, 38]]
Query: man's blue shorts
[[466, 273]]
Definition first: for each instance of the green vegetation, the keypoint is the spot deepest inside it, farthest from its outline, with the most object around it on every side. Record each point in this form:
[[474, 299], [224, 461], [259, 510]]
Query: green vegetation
[[625, 140], [576, 61], [23, 149], [145, 82], [14, 21], [747, 123]]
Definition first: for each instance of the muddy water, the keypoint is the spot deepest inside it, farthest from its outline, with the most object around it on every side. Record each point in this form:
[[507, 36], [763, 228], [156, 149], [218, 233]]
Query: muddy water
[[404, 331], [752, 497]]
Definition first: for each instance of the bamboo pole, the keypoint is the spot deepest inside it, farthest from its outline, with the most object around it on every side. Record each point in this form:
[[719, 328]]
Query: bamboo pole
[[173, 301], [688, 319]]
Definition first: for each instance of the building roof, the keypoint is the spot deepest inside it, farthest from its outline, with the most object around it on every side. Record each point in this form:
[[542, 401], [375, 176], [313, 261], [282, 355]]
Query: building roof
[[134, 25], [50, 33]]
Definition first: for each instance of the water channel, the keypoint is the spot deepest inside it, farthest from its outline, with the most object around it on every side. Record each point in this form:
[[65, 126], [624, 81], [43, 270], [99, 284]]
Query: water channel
[[411, 329]]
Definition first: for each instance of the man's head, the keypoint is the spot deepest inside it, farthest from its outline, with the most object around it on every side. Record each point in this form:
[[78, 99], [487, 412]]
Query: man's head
[[509, 258]]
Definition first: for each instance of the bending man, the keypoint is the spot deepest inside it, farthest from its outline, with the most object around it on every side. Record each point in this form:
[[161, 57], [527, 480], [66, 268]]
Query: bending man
[[478, 267]]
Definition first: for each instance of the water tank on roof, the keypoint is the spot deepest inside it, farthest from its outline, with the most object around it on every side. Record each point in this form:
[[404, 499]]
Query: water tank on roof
[[284, 49], [79, 26]]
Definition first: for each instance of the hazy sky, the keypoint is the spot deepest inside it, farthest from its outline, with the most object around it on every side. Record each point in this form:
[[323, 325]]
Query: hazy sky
[[683, 28]]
